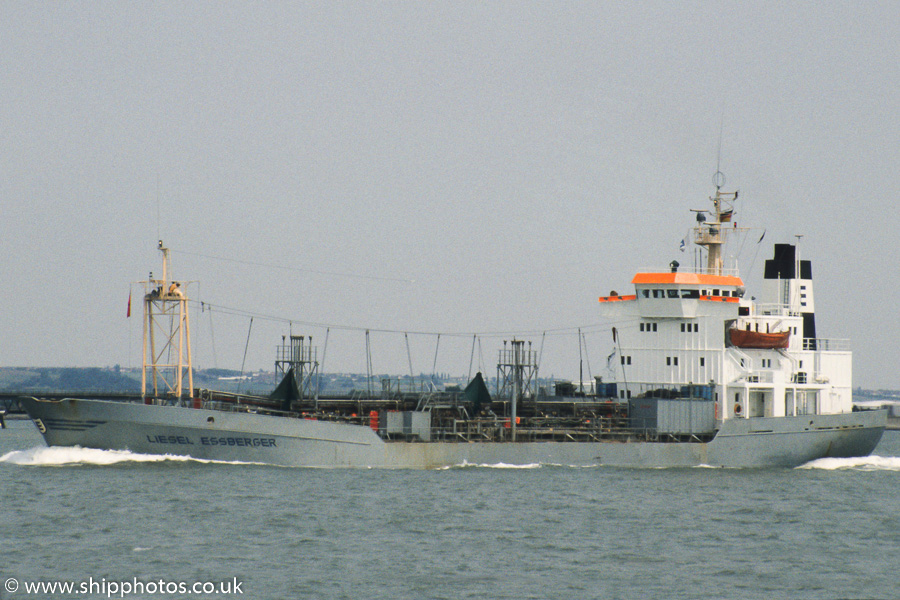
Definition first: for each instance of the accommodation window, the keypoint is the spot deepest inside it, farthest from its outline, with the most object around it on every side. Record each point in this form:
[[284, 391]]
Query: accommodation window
[[626, 360], [672, 293], [672, 361], [702, 362]]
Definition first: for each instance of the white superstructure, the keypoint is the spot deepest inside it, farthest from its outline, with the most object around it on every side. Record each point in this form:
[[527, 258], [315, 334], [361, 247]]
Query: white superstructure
[[697, 334]]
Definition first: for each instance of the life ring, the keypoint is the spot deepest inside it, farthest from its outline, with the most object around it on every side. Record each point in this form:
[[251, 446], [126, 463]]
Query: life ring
[[738, 408]]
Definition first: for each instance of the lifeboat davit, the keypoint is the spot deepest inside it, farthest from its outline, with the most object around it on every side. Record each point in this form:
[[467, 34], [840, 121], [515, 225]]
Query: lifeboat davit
[[759, 340]]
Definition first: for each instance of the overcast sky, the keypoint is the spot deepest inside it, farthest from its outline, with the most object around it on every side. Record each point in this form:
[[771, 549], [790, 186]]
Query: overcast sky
[[453, 168]]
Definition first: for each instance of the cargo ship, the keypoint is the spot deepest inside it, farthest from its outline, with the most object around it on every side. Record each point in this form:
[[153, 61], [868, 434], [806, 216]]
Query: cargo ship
[[704, 375]]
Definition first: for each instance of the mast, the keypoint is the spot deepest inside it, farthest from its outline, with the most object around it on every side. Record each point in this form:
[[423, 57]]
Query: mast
[[166, 354], [299, 354], [516, 377], [711, 233]]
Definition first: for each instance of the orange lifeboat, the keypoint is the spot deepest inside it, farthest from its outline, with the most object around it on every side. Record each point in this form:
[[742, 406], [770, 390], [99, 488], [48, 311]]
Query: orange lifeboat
[[759, 340]]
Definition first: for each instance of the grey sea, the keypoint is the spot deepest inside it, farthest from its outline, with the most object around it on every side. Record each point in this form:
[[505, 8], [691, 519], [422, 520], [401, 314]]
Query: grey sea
[[120, 525]]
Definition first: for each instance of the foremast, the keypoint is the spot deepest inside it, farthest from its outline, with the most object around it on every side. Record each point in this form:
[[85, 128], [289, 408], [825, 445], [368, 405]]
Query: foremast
[[166, 355]]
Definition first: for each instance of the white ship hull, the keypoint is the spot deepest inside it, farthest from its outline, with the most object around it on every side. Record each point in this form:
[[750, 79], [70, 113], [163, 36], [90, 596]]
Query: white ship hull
[[295, 442]]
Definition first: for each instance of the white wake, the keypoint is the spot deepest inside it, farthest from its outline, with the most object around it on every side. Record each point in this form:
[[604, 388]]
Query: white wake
[[857, 463], [467, 465], [60, 456]]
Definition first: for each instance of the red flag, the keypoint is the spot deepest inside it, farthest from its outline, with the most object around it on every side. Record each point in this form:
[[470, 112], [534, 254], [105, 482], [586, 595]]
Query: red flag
[[128, 313]]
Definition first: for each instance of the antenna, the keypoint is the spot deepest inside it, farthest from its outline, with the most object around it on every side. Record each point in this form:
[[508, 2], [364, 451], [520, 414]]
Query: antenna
[[158, 236], [719, 178]]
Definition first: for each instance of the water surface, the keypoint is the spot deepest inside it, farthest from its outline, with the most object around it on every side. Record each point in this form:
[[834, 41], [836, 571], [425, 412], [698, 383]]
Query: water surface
[[830, 529]]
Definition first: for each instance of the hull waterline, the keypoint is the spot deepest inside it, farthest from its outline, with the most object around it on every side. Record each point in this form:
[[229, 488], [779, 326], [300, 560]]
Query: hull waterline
[[247, 437]]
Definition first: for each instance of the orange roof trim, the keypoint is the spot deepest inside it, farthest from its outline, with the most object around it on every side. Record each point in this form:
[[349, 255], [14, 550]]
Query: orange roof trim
[[720, 299], [686, 278], [617, 298]]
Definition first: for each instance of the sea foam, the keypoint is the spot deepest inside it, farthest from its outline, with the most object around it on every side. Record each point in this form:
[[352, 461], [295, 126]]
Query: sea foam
[[59, 456], [466, 465], [858, 463]]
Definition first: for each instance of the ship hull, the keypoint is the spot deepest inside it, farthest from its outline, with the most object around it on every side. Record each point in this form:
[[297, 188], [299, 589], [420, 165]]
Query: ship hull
[[246, 437]]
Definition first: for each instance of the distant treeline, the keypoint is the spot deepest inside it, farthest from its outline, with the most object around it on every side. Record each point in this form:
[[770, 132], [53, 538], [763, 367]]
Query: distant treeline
[[67, 379], [36, 380]]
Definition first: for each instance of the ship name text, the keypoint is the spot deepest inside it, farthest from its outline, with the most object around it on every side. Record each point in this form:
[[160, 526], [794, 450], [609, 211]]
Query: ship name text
[[213, 441]]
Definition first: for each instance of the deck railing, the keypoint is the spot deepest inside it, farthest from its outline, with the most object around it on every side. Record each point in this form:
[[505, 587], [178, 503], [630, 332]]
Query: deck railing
[[826, 345]]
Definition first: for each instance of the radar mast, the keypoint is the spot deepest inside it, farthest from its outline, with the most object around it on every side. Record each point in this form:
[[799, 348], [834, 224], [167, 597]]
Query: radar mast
[[712, 233]]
